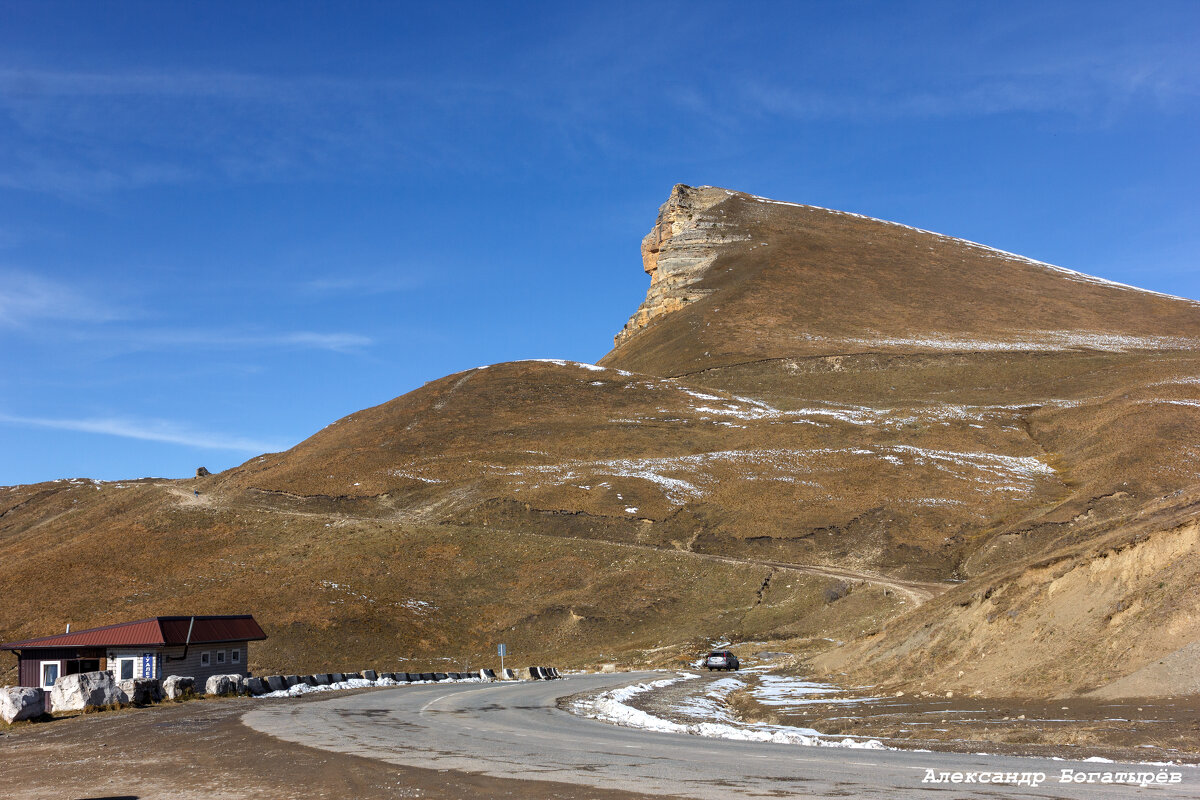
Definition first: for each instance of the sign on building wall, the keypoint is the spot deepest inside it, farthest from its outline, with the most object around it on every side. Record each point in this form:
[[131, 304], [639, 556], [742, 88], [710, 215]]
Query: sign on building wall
[[147, 665]]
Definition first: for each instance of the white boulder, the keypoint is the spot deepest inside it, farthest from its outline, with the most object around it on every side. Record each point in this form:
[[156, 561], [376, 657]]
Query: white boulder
[[139, 691], [83, 691], [176, 687], [20, 702], [220, 685]]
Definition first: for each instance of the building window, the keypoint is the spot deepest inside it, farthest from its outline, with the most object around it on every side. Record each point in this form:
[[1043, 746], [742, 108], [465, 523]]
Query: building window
[[49, 673], [235, 656], [220, 656], [204, 659]]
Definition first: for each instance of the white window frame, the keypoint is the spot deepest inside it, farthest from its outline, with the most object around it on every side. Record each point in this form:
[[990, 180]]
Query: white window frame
[[235, 656], [42, 673], [205, 659], [114, 666], [220, 656]]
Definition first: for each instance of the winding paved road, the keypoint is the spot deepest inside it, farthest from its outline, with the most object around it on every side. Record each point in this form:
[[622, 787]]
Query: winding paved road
[[516, 730]]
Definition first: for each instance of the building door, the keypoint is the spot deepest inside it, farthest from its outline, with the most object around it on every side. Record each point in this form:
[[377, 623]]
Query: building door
[[49, 673]]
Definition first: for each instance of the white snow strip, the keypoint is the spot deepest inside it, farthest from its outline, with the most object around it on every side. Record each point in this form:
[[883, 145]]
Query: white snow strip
[[399, 473], [1074, 275], [353, 683], [610, 707], [783, 691], [684, 478], [1039, 341], [564, 363]]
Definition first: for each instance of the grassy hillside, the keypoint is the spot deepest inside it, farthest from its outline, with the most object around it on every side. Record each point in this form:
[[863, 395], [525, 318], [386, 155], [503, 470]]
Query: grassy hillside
[[819, 424]]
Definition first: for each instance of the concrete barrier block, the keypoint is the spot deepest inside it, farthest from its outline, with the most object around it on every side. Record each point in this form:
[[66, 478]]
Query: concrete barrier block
[[370, 674], [440, 676], [488, 674], [256, 686], [292, 680], [276, 683], [336, 677], [508, 674]]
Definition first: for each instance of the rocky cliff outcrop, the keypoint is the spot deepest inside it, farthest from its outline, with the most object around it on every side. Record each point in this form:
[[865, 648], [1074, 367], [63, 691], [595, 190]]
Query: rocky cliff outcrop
[[678, 251]]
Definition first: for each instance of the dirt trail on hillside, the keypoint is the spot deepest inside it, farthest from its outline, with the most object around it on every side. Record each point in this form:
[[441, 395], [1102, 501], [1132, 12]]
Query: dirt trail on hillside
[[916, 591]]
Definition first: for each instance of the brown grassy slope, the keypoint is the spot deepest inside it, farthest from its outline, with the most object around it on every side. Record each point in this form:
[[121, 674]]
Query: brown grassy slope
[[853, 394], [807, 281], [814, 306], [567, 450], [338, 592]]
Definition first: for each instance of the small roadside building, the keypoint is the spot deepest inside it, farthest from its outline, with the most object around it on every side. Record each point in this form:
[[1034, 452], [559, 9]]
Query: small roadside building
[[199, 646]]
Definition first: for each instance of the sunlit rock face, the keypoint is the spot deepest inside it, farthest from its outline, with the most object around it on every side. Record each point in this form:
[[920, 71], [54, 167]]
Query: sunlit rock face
[[683, 244]]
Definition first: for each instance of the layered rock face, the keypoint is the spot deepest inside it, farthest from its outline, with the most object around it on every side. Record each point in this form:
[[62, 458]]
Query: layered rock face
[[677, 252]]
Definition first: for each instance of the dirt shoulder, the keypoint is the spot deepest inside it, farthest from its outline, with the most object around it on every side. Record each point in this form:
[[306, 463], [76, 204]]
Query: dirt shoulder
[[200, 750], [1147, 729]]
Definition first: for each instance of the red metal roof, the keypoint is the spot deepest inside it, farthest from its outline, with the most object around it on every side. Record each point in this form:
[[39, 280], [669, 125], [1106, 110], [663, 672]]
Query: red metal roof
[[154, 631], [241, 628]]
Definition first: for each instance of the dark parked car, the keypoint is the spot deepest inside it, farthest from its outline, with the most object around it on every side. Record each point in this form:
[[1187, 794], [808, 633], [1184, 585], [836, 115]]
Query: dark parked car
[[721, 659]]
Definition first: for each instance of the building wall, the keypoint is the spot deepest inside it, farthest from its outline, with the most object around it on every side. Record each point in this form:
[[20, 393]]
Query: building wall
[[192, 664], [29, 664], [160, 663]]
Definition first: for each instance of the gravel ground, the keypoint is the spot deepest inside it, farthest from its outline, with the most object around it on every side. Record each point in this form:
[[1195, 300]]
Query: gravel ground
[[201, 750]]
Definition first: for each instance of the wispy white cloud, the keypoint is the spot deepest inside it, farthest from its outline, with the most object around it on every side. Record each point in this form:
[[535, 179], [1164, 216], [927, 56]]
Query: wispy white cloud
[[151, 430], [33, 303], [375, 283], [338, 341], [26, 299], [1095, 82]]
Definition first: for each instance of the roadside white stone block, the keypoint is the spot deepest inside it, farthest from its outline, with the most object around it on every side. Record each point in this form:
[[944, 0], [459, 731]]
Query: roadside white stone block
[[20, 702], [139, 691], [221, 685], [176, 686], [83, 691]]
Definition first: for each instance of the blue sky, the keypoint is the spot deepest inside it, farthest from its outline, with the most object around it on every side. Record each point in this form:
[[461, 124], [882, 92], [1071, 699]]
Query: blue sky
[[223, 226]]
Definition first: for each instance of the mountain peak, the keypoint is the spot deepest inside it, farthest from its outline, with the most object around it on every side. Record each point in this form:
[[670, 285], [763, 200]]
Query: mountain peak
[[735, 277]]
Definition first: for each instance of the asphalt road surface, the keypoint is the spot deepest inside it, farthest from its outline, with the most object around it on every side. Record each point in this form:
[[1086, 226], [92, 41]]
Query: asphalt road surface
[[517, 730]]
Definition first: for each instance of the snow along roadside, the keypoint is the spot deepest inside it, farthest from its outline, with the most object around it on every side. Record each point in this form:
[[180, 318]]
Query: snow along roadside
[[610, 707]]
